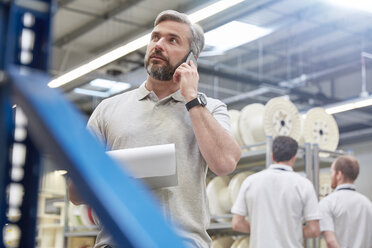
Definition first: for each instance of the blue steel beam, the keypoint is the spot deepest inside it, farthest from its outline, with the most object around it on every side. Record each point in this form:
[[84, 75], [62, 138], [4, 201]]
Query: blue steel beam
[[4, 11], [6, 123], [6, 138], [30, 182], [29, 33], [123, 204], [25, 37]]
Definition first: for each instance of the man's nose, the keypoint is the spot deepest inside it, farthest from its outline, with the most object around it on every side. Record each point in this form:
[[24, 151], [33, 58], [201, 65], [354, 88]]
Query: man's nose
[[159, 45]]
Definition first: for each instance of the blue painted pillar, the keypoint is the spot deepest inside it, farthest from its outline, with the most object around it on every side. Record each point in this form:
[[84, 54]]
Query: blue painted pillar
[[24, 42], [6, 126]]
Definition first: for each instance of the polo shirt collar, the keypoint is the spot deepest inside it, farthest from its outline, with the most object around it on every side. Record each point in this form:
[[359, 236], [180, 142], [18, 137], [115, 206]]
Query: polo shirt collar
[[346, 185], [143, 93], [280, 167], [177, 96]]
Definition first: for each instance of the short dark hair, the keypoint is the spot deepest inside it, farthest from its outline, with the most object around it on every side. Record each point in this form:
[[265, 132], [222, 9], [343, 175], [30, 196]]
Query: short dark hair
[[349, 166], [284, 148]]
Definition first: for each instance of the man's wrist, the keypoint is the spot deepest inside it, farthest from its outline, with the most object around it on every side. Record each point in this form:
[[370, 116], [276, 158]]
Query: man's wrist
[[190, 97], [199, 100]]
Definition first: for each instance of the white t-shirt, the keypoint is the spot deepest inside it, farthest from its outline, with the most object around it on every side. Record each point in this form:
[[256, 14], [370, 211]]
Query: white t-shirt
[[276, 201], [349, 215]]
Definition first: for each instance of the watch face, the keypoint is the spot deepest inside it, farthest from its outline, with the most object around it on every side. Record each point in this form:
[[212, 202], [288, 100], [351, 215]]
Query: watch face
[[203, 99]]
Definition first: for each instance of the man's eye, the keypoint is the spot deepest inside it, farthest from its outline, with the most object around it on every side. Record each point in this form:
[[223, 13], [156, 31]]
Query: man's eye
[[155, 37], [173, 40]]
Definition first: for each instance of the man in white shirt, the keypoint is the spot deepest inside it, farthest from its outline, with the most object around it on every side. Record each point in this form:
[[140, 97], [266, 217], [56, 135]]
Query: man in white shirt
[[347, 214], [272, 204]]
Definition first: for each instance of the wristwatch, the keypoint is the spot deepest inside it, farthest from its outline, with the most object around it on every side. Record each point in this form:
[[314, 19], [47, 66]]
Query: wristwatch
[[199, 100]]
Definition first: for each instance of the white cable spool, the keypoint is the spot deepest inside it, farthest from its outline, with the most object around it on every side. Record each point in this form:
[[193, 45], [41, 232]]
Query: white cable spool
[[11, 235], [251, 122], [301, 142], [218, 196], [281, 117], [235, 184], [234, 122], [223, 242], [321, 128], [241, 242], [325, 181]]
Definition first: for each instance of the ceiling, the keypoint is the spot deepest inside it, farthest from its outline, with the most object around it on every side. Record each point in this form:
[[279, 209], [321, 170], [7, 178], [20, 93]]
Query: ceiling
[[312, 54]]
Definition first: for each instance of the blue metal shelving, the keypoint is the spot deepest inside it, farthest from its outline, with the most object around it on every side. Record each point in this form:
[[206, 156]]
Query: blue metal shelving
[[55, 127]]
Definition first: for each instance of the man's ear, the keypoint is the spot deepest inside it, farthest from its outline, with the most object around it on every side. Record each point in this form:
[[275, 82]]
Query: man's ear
[[339, 176], [294, 158]]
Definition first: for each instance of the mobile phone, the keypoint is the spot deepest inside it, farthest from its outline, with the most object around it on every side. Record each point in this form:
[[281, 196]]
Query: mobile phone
[[191, 57]]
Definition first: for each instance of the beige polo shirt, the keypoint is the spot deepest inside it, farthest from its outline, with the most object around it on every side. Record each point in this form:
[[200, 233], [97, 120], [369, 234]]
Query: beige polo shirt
[[137, 118]]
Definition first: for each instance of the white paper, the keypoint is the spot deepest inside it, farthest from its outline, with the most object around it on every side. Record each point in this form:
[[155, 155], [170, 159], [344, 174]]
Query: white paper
[[156, 165]]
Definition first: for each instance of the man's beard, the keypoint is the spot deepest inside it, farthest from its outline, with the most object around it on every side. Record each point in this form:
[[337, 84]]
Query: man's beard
[[159, 72], [162, 73]]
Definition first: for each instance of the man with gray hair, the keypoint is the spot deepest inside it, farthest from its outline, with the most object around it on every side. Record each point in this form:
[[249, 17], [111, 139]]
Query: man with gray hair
[[167, 108], [347, 214]]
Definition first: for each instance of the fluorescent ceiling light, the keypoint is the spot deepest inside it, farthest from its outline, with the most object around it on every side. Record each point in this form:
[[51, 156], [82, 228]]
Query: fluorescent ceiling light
[[211, 53], [107, 88], [367, 55], [134, 45], [212, 9], [349, 105], [112, 86], [100, 61], [364, 5], [60, 172], [339, 108], [233, 34], [94, 93]]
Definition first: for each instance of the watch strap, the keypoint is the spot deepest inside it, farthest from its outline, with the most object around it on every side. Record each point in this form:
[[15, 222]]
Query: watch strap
[[194, 102]]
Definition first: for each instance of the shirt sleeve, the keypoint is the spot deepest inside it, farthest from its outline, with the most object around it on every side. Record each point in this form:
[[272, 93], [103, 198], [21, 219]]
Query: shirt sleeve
[[96, 126], [311, 209], [240, 206], [219, 112], [326, 223]]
